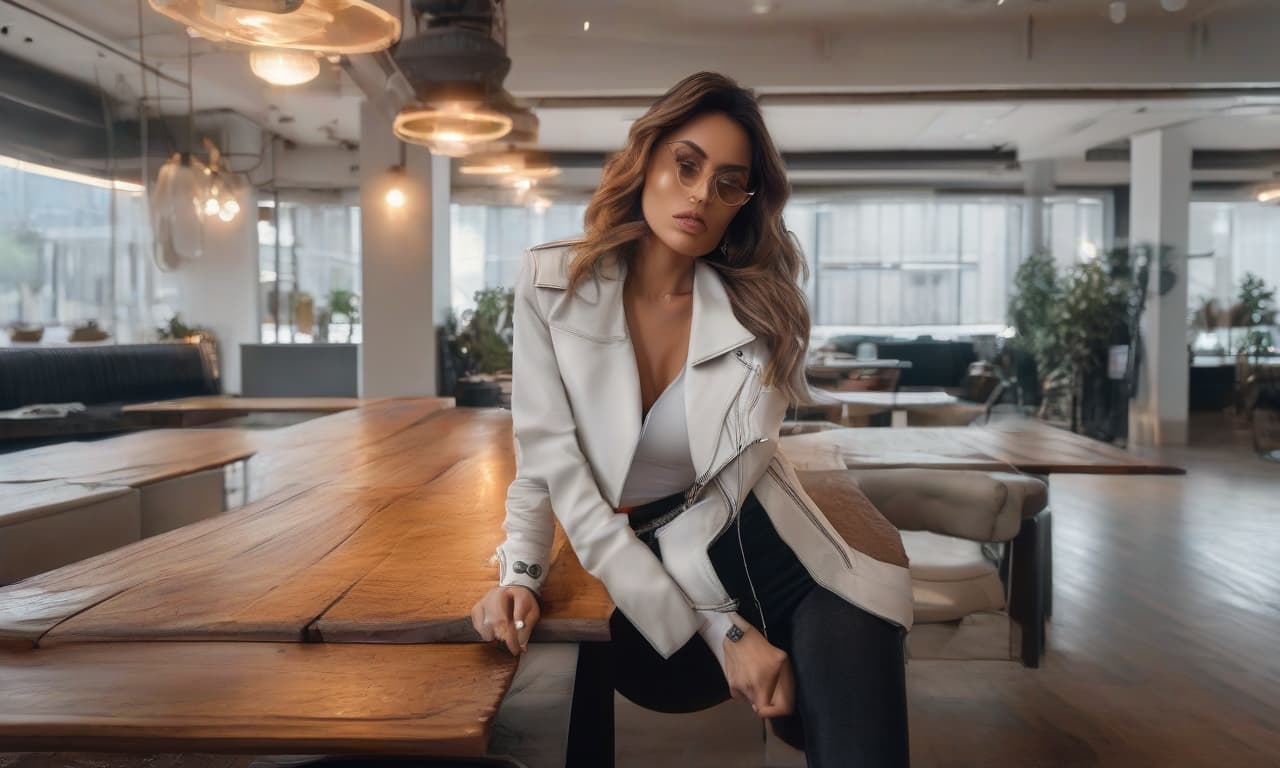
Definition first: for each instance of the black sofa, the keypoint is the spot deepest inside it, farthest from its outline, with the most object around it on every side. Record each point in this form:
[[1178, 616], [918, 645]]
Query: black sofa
[[102, 377]]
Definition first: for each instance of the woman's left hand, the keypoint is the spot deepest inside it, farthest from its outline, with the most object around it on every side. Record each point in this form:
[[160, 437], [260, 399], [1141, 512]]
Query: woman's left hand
[[760, 673]]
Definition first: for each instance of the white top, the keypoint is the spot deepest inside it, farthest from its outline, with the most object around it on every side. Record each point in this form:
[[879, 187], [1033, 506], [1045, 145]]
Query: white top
[[662, 465]]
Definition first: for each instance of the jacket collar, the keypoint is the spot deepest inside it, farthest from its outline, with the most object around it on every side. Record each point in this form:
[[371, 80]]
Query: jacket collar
[[715, 330]]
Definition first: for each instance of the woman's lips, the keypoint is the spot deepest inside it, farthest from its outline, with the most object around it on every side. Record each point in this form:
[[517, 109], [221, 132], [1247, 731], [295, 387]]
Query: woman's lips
[[691, 224]]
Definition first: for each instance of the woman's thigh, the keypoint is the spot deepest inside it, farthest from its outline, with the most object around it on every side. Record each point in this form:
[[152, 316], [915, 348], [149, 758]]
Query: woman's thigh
[[689, 681], [851, 684]]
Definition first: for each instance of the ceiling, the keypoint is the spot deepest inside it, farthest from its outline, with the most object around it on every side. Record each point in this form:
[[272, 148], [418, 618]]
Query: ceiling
[[614, 16], [326, 111]]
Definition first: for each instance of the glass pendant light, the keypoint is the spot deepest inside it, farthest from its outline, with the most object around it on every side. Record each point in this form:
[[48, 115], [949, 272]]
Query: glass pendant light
[[326, 26], [284, 68]]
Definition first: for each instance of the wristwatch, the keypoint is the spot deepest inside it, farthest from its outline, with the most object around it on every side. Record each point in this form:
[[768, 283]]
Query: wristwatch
[[735, 633]]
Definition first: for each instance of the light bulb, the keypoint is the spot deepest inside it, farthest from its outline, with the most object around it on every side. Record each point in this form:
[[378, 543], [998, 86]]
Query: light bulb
[[211, 207], [229, 210], [284, 68], [395, 198], [1118, 11]]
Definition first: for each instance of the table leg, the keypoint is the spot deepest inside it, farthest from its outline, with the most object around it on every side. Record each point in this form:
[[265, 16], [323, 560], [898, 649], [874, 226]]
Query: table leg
[[591, 721], [1029, 582]]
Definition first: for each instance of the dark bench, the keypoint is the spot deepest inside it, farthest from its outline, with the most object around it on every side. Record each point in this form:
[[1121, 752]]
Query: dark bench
[[104, 378]]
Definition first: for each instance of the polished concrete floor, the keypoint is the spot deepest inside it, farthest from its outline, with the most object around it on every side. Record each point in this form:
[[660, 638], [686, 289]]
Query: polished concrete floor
[[1164, 648]]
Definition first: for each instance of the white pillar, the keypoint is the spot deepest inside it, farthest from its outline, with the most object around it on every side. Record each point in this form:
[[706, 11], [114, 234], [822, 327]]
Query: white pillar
[[442, 269], [398, 351], [1038, 183], [219, 290], [1160, 208]]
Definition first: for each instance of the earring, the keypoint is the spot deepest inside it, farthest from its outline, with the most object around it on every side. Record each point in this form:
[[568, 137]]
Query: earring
[[724, 246]]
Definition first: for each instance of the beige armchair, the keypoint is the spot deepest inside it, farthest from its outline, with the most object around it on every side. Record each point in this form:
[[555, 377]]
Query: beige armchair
[[957, 529]]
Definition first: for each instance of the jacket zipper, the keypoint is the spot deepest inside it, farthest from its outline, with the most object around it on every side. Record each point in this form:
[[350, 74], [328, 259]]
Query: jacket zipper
[[786, 487], [706, 478]]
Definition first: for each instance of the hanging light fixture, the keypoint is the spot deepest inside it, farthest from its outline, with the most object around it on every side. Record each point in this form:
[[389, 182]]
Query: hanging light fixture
[[284, 68], [326, 26], [456, 67], [532, 164], [451, 120]]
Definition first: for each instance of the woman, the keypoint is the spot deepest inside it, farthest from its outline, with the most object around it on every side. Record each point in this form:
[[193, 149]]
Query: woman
[[654, 360]]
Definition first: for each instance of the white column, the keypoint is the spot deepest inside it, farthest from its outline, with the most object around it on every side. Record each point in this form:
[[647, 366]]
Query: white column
[[219, 290], [398, 352], [1160, 206], [442, 269], [1038, 183]]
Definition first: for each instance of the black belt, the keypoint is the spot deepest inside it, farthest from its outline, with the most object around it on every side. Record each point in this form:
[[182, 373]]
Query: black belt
[[646, 519]]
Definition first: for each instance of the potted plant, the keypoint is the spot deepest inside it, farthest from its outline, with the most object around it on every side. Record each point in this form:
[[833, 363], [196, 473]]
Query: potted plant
[[344, 303], [1256, 308], [478, 343]]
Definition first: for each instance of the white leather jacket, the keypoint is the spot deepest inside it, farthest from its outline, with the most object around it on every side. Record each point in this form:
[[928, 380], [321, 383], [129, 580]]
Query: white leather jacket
[[576, 411]]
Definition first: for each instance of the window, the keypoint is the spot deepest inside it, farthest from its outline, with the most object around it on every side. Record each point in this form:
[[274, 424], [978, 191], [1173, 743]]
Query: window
[[897, 262], [487, 242], [314, 272], [1228, 240], [72, 249]]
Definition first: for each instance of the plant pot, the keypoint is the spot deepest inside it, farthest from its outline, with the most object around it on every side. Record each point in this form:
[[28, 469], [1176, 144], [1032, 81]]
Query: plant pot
[[474, 393]]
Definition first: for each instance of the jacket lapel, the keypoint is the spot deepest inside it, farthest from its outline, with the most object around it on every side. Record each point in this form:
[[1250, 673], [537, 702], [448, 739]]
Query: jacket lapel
[[599, 369], [714, 377]]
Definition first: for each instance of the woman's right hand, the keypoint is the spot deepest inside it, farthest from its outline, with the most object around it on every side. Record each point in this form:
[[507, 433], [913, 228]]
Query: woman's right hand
[[507, 615], [760, 673]]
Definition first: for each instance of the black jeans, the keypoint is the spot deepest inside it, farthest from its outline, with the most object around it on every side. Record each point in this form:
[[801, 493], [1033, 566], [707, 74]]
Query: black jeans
[[851, 699]]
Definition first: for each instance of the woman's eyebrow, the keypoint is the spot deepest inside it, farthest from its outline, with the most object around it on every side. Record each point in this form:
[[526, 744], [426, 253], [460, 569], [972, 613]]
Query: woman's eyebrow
[[703, 153]]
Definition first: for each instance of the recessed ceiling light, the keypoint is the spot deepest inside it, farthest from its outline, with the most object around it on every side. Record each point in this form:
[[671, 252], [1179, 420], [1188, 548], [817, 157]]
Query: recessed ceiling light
[[586, 26], [762, 7]]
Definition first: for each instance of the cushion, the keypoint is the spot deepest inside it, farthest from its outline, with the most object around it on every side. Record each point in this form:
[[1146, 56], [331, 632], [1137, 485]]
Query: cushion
[[853, 515], [950, 577]]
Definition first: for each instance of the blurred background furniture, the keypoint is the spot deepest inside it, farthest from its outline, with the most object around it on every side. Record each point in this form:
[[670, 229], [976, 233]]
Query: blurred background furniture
[[104, 378]]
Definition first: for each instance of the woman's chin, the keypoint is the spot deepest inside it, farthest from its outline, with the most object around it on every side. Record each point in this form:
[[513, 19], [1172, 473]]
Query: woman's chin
[[685, 244]]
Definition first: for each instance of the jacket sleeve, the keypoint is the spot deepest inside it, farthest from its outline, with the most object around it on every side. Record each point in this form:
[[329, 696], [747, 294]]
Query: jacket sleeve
[[553, 473]]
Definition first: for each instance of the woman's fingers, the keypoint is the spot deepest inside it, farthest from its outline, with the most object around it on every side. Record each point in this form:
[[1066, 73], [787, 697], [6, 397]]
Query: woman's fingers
[[784, 695], [504, 629], [480, 622], [526, 614]]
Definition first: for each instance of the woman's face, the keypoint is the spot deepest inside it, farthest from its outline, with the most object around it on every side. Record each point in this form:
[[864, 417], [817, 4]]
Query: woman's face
[[691, 173]]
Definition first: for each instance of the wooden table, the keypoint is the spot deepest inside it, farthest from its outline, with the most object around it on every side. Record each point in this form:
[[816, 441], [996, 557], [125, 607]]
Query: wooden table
[[195, 411], [1035, 450], [379, 529], [1025, 447], [135, 459]]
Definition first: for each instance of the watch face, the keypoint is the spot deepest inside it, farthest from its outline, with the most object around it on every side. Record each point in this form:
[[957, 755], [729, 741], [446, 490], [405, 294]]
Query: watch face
[[734, 633]]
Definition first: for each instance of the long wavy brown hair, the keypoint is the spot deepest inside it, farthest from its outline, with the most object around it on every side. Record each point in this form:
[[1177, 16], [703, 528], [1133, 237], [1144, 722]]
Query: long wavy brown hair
[[761, 263]]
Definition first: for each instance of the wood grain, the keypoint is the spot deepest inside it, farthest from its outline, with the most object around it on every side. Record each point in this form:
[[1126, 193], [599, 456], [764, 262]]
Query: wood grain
[[392, 541], [24, 501], [1036, 451], [253, 697], [224, 403], [136, 459]]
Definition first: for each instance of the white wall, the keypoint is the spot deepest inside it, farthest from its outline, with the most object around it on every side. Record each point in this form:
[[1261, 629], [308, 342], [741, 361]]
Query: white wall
[[219, 290]]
